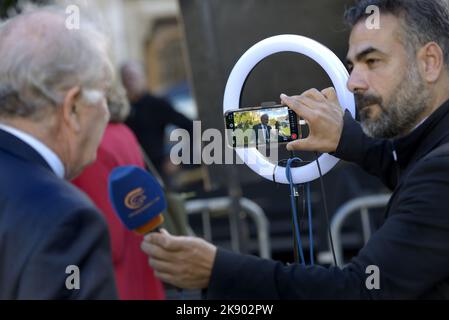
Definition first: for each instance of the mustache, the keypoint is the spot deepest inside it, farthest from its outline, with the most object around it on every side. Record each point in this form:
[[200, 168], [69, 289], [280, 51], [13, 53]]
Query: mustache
[[363, 100]]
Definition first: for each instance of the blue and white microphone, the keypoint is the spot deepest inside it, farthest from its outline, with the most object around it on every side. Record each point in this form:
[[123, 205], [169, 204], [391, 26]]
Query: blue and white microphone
[[137, 198]]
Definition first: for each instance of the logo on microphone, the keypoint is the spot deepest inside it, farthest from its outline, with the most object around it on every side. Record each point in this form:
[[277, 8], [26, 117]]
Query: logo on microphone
[[135, 199]]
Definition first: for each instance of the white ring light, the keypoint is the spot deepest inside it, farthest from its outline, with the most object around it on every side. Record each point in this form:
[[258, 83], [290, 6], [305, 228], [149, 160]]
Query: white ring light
[[334, 69]]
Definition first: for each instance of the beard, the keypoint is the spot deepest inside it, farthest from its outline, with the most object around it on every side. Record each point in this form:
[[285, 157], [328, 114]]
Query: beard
[[400, 114]]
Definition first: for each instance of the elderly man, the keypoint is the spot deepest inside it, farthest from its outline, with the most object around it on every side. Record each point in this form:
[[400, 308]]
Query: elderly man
[[54, 243], [400, 78]]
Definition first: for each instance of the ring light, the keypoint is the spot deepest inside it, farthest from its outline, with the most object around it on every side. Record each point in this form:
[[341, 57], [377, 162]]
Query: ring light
[[334, 69]]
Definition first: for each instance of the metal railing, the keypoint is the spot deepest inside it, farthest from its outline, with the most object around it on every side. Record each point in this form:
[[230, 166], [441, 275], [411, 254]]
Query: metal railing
[[361, 205], [221, 205]]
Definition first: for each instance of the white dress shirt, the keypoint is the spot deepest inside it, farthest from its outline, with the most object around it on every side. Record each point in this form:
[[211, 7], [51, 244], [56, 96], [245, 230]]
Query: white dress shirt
[[49, 156]]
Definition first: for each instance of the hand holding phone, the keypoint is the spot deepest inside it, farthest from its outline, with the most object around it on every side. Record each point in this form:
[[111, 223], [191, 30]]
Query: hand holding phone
[[261, 126], [324, 117]]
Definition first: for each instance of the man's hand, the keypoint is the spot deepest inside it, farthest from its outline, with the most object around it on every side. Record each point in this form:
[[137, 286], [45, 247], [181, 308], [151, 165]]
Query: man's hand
[[323, 114], [185, 262]]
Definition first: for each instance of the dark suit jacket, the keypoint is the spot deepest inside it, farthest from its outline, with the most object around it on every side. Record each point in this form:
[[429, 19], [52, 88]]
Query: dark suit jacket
[[411, 249], [257, 128], [46, 224]]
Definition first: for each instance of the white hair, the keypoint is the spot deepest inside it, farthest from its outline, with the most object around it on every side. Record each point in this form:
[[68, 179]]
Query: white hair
[[41, 59]]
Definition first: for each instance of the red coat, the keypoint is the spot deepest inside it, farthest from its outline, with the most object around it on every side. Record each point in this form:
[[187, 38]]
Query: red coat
[[134, 277]]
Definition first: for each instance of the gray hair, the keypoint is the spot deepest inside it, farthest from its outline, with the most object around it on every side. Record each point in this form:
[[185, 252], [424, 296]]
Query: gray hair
[[41, 59], [118, 104], [423, 21]]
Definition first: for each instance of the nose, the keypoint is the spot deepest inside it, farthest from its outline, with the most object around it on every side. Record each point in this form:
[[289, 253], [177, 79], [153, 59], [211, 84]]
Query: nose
[[357, 82]]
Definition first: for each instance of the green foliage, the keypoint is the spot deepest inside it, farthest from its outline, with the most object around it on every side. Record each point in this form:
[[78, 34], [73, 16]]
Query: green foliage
[[246, 120], [6, 5]]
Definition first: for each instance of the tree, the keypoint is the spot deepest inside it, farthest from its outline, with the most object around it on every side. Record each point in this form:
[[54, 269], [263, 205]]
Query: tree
[[6, 5]]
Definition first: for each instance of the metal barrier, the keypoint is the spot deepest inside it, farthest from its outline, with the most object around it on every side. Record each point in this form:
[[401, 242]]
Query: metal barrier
[[361, 204], [222, 204]]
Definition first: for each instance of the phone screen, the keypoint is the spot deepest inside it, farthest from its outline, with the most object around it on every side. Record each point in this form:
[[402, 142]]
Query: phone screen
[[256, 127]]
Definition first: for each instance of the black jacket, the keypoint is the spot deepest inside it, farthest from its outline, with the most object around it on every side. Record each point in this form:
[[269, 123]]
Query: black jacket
[[46, 225], [149, 117], [258, 128], [411, 248]]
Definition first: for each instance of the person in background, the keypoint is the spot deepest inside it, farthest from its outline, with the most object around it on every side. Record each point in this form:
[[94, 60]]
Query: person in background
[[262, 131], [150, 115], [134, 277]]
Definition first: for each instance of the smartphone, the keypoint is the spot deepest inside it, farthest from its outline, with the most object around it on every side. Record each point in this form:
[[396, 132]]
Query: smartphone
[[261, 126]]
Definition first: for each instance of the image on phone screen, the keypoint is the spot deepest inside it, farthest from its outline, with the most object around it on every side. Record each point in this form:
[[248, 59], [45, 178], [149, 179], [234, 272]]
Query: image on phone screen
[[261, 126]]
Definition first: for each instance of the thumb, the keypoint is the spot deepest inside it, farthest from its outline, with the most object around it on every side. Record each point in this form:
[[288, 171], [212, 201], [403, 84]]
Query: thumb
[[167, 241], [330, 94], [301, 145], [162, 239], [165, 232]]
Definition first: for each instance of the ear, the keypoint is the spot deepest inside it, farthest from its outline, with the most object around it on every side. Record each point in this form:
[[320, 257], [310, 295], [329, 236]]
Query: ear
[[430, 61], [70, 110]]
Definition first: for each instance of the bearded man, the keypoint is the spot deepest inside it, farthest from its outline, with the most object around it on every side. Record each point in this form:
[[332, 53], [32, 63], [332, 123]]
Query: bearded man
[[399, 75]]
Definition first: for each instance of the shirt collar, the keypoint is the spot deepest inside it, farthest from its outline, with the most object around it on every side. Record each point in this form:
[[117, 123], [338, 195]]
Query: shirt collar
[[50, 157]]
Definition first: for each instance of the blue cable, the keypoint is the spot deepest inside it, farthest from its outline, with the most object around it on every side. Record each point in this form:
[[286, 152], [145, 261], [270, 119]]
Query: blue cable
[[295, 215], [309, 210], [293, 205]]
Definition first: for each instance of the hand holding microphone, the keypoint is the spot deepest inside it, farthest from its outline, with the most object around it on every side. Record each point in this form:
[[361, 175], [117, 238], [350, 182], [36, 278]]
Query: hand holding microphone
[[138, 200], [185, 262]]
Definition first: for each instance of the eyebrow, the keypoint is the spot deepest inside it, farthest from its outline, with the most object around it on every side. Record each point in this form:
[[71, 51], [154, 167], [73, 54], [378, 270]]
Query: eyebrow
[[361, 55]]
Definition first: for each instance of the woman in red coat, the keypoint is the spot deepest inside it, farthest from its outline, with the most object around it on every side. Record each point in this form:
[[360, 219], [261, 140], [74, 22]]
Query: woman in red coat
[[134, 277]]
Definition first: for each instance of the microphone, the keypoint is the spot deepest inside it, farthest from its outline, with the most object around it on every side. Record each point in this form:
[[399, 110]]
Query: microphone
[[137, 198]]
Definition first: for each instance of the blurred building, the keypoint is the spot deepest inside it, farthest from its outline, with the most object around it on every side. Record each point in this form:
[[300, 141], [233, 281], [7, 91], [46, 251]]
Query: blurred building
[[142, 30], [148, 31]]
